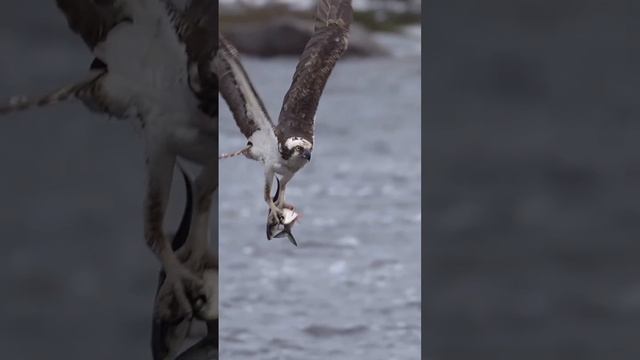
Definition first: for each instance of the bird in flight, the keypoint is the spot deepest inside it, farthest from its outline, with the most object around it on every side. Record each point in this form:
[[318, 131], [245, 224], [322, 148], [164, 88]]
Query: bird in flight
[[285, 148], [152, 65]]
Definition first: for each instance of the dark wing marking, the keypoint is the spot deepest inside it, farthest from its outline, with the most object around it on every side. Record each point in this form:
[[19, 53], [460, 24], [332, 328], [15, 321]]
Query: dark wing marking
[[238, 91], [326, 46], [92, 19], [197, 28]]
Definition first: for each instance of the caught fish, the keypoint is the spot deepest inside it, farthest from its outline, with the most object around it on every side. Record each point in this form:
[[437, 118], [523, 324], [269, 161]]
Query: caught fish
[[278, 230], [282, 228]]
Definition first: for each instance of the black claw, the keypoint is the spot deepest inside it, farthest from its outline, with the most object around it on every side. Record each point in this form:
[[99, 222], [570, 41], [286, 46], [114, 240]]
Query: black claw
[[185, 223], [275, 198], [277, 195]]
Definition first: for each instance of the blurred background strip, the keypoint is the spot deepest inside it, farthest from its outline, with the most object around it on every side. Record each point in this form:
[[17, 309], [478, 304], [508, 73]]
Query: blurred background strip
[[532, 155]]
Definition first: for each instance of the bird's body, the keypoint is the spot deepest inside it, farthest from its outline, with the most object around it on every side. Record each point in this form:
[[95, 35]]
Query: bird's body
[[285, 148]]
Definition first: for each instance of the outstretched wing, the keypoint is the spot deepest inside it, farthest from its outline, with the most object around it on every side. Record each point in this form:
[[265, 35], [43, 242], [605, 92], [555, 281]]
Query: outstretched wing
[[248, 110], [197, 29], [326, 46]]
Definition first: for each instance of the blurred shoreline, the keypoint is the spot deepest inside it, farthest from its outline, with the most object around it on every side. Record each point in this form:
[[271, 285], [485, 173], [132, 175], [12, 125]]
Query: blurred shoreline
[[277, 28]]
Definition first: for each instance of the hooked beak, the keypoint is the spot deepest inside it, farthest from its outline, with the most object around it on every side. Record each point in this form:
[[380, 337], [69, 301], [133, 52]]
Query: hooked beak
[[307, 155]]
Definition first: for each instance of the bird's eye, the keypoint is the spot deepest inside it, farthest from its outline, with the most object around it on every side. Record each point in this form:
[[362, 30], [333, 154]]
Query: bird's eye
[[299, 148]]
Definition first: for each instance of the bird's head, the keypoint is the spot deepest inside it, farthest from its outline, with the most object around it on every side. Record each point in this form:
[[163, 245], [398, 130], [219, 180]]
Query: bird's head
[[296, 149]]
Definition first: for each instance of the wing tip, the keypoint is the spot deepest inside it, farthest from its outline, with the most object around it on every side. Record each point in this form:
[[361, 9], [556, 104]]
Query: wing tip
[[226, 46], [338, 12]]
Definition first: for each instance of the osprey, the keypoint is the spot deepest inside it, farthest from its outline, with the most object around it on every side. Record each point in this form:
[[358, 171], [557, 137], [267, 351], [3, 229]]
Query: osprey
[[285, 148], [152, 65]]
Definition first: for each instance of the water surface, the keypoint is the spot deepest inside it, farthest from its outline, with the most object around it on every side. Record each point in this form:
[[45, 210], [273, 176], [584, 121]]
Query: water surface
[[351, 290]]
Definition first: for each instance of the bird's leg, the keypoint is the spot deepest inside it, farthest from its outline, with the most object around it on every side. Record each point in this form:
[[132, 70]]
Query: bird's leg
[[168, 336], [198, 257], [181, 286], [275, 213], [283, 185], [205, 185]]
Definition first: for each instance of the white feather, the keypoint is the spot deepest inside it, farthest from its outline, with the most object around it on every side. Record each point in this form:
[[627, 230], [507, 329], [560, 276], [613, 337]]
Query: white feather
[[254, 109], [297, 141], [146, 61], [148, 78], [265, 144]]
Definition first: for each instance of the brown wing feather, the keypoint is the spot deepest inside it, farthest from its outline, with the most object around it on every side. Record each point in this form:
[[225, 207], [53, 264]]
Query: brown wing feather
[[197, 28], [320, 55], [202, 47], [92, 19], [237, 90]]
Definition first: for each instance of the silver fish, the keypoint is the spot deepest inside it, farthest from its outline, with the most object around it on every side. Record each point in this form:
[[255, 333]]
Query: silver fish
[[283, 227]]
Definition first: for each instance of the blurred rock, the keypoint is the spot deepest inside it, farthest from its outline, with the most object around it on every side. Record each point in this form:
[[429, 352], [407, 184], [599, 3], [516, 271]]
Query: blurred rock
[[288, 37]]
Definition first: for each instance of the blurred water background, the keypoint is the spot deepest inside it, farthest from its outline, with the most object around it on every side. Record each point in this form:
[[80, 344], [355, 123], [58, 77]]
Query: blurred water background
[[531, 153]]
